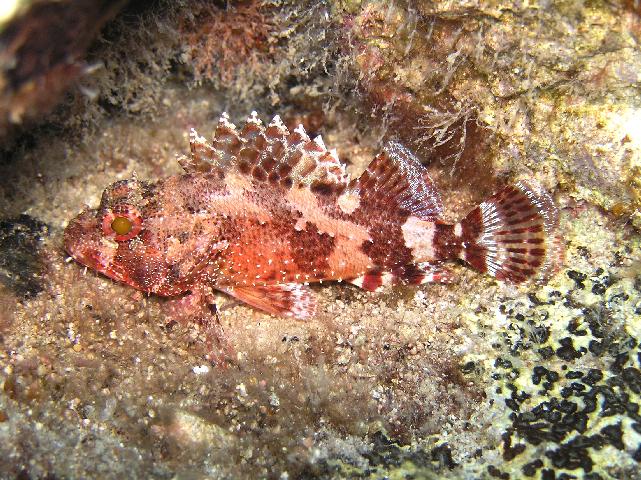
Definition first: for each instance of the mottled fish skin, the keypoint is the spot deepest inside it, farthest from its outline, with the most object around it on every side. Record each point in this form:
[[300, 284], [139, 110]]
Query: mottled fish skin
[[260, 212]]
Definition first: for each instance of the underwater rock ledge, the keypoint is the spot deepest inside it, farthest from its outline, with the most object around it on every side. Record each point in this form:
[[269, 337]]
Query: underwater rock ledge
[[474, 379]]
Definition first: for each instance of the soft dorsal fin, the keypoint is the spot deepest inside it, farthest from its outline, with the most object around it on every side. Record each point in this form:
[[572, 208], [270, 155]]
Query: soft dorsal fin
[[268, 154], [396, 180]]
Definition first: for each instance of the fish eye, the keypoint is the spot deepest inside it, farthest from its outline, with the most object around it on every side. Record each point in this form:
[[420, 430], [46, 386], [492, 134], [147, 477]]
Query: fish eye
[[122, 223]]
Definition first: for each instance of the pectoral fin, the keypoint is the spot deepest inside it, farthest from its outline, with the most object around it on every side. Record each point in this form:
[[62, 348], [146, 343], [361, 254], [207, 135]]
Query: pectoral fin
[[288, 299]]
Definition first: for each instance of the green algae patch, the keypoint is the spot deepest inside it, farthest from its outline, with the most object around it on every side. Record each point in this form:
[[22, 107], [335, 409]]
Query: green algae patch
[[569, 369]]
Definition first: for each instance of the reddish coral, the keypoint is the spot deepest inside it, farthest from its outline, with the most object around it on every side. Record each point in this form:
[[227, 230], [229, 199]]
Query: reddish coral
[[221, 41]]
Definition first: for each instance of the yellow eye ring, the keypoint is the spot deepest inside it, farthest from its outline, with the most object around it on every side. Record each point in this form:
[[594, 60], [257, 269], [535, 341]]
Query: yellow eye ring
[[122, 223]]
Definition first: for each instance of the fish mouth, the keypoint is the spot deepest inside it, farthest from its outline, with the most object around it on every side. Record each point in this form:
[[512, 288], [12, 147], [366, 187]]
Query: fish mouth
[[85, 243]]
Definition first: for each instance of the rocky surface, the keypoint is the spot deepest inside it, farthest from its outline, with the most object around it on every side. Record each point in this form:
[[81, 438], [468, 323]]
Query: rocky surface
[[476, 379], [42, 54]]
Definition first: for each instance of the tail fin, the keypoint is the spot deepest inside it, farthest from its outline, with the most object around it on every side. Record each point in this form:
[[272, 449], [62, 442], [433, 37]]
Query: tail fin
[[512, 235]]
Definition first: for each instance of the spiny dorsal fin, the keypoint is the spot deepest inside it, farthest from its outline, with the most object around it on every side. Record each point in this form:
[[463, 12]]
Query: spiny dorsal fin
[[268, 154], [203, 157], [226, 142], [396, 180]]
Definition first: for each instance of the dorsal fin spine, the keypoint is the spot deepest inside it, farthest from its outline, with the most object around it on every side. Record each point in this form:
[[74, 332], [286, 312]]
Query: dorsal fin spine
[[268, 153], [253, 118], [277, 122], [194, 137], [224, 122]]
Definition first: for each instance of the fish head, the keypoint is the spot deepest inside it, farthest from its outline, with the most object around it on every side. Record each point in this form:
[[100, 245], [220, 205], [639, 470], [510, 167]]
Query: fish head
[[115, 238]]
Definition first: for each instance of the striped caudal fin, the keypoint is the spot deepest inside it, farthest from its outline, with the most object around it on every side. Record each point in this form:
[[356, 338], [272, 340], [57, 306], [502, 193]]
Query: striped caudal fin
[[512, 235]]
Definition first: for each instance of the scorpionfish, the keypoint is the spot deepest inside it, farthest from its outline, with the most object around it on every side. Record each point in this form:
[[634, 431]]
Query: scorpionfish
[[262, 212]]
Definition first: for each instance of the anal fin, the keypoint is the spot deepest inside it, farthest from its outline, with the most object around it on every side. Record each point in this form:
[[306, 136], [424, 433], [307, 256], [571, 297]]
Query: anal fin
[[287, 299], [412, 274]]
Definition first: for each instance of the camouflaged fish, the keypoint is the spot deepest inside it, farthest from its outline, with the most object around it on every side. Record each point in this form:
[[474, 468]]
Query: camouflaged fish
[[262, 212]]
